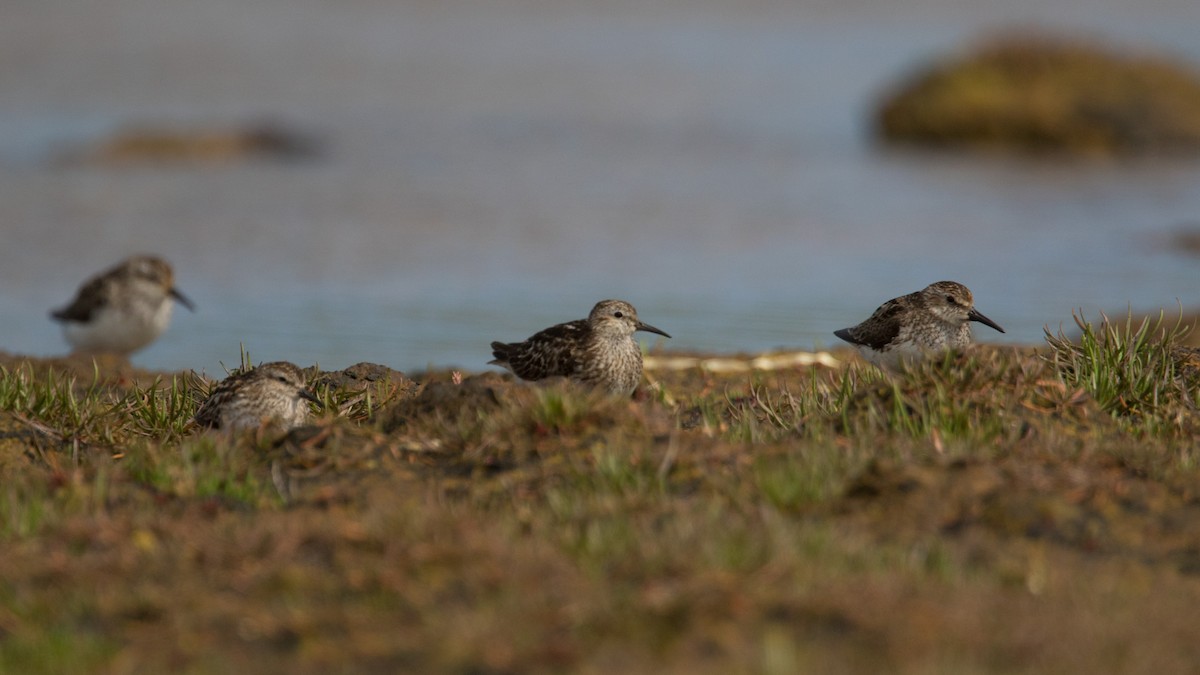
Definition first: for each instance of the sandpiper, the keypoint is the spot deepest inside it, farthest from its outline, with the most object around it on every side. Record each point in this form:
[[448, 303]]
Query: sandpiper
[[598, 351], [273, 393], [909, 327], [122, 309]]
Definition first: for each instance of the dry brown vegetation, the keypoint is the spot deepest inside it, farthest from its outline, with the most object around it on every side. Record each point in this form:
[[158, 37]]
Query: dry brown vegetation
[[999, 510]]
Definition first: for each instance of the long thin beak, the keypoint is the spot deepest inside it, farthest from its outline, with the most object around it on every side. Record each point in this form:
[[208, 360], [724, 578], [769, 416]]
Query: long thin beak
[[309, 396], [974, 315], [651, 329], [183, 300]]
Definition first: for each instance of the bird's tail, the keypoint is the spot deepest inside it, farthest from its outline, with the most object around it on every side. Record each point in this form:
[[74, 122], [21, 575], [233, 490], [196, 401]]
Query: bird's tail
[[500, 351]]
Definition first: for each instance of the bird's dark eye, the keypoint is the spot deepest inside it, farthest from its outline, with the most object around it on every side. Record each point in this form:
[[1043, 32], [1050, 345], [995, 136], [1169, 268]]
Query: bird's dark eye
[[618, 314], [950, 299], [281, 379]]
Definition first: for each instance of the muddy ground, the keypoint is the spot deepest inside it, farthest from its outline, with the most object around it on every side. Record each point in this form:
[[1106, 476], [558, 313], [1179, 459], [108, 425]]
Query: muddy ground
[[980, 515]]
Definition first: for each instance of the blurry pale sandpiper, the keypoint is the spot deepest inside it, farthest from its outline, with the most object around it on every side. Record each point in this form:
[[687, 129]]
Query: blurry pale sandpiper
[[122, 309]]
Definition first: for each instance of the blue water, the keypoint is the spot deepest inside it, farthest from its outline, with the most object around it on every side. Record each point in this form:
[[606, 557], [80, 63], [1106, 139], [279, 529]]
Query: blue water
[[493, 168]]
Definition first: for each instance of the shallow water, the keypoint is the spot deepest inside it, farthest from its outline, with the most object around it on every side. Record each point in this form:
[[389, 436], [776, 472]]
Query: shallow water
[[493, 168]]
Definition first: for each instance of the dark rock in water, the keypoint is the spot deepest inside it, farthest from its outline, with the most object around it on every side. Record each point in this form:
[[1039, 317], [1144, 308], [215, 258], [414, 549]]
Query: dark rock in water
[[1041, 94], [1186, 239], [164, 144]]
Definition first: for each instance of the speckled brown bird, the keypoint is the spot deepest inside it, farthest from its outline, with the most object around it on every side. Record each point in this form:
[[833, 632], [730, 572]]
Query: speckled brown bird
[[270, 394], [122, 309], [908, 328], [598, 351]]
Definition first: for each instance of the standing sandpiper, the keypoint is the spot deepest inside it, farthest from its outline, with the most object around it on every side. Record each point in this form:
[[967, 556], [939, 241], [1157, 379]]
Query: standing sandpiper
[[122, 309], [273, 393], [933, 319], [598, 351]]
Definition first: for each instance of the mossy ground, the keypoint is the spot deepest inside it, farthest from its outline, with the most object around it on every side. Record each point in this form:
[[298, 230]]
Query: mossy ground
[[992, 511]]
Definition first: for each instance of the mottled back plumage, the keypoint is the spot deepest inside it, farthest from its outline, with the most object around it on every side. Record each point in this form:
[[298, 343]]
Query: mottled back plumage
[[598, 351], [123, 308], [933, 319], [273, 393]]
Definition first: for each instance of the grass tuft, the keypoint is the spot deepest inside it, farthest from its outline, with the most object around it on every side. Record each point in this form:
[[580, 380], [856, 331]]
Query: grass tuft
[[1129, 367]]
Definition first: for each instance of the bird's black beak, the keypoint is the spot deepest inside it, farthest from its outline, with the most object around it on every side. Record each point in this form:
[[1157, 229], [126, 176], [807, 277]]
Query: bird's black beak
[[974, 315], [182, 299], [651, 329], [309, 396]]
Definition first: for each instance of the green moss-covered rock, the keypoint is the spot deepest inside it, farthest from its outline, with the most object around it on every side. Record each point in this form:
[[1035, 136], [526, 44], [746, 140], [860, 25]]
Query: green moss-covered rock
[[1039, 94]]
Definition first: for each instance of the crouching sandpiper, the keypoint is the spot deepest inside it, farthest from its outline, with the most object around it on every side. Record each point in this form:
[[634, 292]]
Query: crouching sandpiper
[[122, 309], [271, 394], [598, 351], [934, 319]]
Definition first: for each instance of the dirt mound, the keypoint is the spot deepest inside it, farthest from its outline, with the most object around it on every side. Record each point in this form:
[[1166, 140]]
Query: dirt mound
[[1091, 503]]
